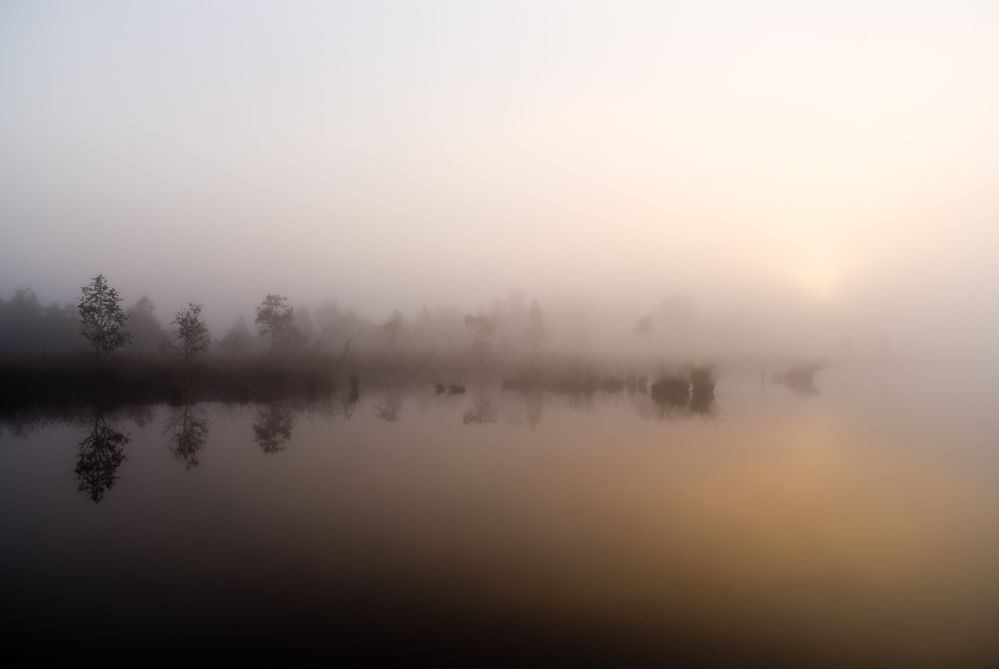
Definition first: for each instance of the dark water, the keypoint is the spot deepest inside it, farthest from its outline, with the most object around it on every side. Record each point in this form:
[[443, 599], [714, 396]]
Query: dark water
[[857, 527]]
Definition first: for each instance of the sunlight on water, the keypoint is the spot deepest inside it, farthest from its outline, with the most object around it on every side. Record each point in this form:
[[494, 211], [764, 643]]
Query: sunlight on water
[[778, 527]]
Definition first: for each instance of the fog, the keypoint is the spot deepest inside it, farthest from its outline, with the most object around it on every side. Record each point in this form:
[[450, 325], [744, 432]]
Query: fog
[[795, 176], [624, 333]]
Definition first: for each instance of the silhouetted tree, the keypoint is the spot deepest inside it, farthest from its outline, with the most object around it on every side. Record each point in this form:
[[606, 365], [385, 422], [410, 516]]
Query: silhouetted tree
[[144, 329], [536, 332], [101, 453], [272, 428], [190, 332], [275, 318], [102, 321]]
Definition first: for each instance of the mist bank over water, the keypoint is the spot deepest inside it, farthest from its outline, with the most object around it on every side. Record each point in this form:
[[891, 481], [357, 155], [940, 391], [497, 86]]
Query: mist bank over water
[[674, 327]]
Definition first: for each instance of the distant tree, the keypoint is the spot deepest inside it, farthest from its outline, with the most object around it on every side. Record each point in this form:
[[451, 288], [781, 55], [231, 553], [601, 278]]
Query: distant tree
[[536, 332], [392, 328], [27, 325], [275, 318], [60, 327], [146, 332], [305, 326], [482, 327], [190, 332], [236, 340], [102, 322], [334, 326], [643, 326]]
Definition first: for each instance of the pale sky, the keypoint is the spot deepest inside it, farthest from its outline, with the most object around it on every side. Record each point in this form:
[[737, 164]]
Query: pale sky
[[838, 157]]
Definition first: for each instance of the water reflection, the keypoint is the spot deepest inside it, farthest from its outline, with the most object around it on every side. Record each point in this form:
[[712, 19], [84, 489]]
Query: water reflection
[[696, 405], [100, 455], [388, 410], [800, 380], [703, 405], [188, 429], [789, 526], [272, 427], [534, 404], [140, 414], [348, 403], [480, 411]]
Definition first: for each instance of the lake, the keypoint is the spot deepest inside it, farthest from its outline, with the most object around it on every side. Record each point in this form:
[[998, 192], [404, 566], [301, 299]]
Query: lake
[[854, 527]]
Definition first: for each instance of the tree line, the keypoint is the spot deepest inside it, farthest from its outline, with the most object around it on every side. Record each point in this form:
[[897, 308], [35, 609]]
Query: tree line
[[100, 322]]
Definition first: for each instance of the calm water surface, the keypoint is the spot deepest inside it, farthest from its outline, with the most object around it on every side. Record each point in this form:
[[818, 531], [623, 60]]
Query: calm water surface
[[858, 527]]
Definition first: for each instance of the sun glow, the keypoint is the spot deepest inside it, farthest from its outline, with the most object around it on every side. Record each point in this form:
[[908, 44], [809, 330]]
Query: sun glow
[[819, 276]]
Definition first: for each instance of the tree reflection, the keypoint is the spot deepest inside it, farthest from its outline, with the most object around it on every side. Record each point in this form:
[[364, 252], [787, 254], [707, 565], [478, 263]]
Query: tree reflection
[[703, 404], [535, 407], [347, 408], [272, 427], [480, 412], [101, 453], [189, 432], [388, 410], [801, 380]]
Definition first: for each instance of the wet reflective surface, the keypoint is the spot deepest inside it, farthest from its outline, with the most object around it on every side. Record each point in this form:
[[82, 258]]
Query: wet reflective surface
[[854, 527]]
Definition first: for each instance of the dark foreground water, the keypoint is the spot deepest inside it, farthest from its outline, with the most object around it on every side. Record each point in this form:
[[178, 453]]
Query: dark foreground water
[[855, 528]]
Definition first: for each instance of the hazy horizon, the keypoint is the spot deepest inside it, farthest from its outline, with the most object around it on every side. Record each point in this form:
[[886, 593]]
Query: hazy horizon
[[573, 333], [828, 168]]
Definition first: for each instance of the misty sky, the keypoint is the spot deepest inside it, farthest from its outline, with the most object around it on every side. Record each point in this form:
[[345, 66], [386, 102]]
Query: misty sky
[[835, 158]]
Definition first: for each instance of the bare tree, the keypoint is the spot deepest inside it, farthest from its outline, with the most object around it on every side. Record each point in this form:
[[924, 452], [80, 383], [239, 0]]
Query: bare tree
[[102, 320], [190, 332]]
